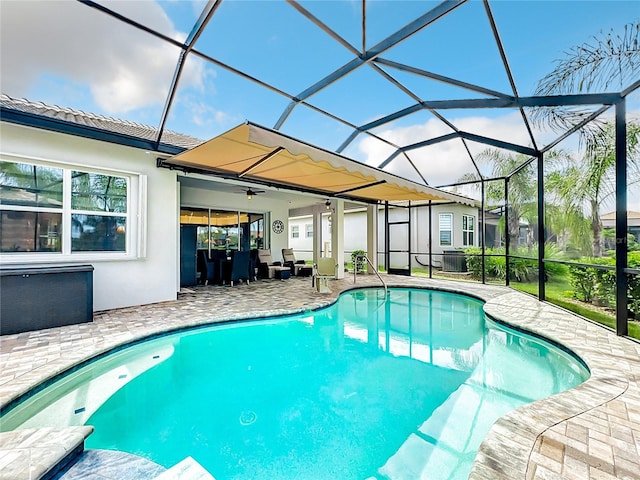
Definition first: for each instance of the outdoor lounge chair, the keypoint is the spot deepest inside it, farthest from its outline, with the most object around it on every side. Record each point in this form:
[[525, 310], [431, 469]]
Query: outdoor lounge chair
[[323, 271], [298, 267], [267, 268]]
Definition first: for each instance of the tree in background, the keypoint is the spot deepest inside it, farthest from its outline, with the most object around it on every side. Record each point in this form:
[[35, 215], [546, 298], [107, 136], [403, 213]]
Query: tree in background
[[606, 61], [522, 188]]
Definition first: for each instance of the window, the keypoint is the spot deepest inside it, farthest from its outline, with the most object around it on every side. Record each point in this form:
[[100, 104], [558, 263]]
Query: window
[[47, 209], [98, 212], [308, 230], [445, 228], [468, 227], [31, 203], [295, 231]]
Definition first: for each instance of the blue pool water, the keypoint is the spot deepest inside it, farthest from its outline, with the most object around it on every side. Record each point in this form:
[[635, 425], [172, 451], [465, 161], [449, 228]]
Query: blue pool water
[[365, 389]]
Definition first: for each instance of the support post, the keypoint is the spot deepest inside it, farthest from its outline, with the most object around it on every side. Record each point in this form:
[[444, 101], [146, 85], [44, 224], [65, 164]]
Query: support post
[[337, 235], [387, 255], [622, 324], [507, 267], [317, 234], [372, 237], [482, 245], [430, 242], [541, 230]]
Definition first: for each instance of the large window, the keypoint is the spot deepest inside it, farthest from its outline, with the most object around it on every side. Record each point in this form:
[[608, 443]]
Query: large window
[[445, 229], [50, 209], [468, 229]]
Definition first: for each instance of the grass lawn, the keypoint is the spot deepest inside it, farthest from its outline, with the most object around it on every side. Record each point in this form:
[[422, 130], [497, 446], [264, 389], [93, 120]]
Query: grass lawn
[[559, 292]]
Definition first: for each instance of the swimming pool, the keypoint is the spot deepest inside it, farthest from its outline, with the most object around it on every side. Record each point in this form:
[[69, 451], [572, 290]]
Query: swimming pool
[[363, 389]]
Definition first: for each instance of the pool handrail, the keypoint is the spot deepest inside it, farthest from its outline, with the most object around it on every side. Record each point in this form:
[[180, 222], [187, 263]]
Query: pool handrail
[[375, 270]]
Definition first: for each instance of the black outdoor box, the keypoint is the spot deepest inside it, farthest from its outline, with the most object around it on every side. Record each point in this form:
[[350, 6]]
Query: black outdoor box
[[39, 297]]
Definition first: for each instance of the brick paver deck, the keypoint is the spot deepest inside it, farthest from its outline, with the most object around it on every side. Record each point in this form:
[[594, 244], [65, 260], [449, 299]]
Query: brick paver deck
[[591, 432]]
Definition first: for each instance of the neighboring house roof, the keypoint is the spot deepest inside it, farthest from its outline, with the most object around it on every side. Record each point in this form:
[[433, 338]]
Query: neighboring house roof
[[94, 121], [609, 219]]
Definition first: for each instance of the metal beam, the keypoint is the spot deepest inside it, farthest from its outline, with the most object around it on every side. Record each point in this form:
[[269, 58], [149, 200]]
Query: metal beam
[[364, 26], [415, 168], [443, 79], [631, 88], [349, 139], [283, 117], [499, 143], [133, 23], [575, 128], [355, 189], [432, 141], [195, 33], [323, 26], [549, 101], [264, 159], [391, 117], [395, 82], [389, 158], [392, 40], [507, 68]]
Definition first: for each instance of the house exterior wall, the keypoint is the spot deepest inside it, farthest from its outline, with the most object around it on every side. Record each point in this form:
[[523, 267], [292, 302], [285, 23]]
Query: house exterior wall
[[149, 274], [355, 231]]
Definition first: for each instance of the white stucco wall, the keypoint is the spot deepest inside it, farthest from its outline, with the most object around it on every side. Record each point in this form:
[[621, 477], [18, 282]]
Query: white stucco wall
[[355, 230], [116, 283]]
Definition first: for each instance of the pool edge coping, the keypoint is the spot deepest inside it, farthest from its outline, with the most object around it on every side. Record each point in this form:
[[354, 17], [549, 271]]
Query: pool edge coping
[[506, 451]]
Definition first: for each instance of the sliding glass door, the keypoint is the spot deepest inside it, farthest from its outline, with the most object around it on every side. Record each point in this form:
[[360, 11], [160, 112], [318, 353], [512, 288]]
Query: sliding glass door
[[225, 229]]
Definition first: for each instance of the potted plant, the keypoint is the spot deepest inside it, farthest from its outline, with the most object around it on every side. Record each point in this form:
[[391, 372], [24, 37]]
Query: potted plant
[[359, 263]]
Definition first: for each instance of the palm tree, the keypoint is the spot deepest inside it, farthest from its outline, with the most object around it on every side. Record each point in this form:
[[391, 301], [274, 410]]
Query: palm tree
[[522, 188], [595, 66], [596, 176], [606, 61], [564, 212]]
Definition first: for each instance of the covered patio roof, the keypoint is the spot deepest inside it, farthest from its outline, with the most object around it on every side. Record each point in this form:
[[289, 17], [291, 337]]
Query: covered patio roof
[[257, 154]]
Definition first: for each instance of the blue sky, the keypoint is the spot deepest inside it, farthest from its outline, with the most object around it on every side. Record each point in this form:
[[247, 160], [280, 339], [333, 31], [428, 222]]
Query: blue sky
[[85, 60]]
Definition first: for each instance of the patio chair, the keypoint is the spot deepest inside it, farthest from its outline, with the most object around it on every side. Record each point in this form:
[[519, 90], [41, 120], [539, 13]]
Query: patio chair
[[323, 271], [267, 268], [240, 267], [206, 268], [298, 267]]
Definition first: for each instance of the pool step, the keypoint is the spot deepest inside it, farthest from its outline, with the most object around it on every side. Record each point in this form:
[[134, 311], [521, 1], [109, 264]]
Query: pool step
[[111, 465], [187, 469], [40, 453]]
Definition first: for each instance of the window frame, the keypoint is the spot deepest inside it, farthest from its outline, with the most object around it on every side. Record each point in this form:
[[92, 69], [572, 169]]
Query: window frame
[[295, 231], [135, 216], [471, 221], [308, 230], [450, 229]]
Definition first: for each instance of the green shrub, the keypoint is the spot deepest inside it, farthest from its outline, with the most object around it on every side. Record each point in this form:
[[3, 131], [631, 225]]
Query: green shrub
[[594, 285], [583, 281], [361, 267]]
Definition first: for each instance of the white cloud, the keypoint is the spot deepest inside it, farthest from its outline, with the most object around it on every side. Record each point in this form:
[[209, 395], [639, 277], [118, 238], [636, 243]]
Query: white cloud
[[443, 162], [124, 68]]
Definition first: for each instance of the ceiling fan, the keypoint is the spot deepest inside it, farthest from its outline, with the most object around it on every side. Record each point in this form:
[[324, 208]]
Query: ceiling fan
[[250, 192]]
